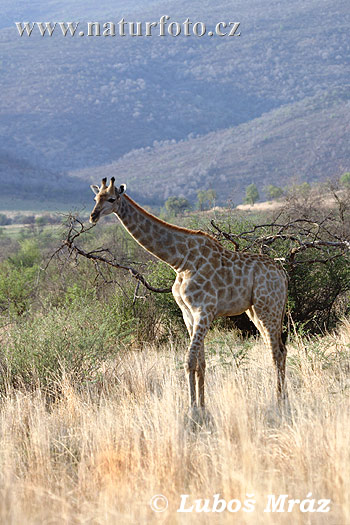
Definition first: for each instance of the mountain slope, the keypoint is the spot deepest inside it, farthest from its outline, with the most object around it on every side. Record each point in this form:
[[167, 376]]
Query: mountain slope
[[26, 187], [307, 140], [70, 103]]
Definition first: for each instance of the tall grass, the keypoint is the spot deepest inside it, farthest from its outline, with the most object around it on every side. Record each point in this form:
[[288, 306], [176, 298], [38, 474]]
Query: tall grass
[[98, 453]]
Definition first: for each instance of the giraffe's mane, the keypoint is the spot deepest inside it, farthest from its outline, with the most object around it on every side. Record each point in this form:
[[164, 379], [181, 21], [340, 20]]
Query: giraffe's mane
[[167, 224]]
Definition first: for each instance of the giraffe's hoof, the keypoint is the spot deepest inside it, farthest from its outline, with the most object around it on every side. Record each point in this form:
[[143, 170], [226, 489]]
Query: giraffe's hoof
[[199, 419], [284, 406], [279, 412]]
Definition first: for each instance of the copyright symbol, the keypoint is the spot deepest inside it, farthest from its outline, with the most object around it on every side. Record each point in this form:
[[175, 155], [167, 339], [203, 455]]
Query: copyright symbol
[[159, 503]]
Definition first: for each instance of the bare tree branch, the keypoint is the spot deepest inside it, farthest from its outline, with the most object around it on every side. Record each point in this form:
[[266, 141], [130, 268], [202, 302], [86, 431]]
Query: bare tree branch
[[226, 235], [302, 234], [101, 255]]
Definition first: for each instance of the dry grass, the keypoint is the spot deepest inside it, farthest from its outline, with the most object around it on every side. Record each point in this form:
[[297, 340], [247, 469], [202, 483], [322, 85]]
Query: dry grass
[[98, 455], [261, 206]]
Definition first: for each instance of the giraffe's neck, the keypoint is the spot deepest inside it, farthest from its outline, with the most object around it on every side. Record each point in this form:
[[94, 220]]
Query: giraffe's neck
[[163, 240]]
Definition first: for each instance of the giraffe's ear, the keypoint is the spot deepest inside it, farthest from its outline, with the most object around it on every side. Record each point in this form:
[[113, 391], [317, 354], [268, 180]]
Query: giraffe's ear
[[95, 188], [122, 189]]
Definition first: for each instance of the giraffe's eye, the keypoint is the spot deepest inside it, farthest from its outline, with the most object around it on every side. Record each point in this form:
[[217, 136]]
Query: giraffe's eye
[[111, 200]]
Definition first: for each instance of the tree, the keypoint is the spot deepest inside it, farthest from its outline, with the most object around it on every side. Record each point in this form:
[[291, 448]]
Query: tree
[[303, 190], [345, 179], [206, 198], [201, 198], [4, 220], [176, 205], [211, 197], [251, 194], [273, 192]]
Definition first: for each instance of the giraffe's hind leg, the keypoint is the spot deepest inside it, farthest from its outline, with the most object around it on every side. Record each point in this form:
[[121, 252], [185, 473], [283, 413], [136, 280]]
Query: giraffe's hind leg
[[200, 375], [196, 368], [254, 318], [269, 323]]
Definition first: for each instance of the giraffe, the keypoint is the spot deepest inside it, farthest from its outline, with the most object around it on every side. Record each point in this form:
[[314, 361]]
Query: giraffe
[[211, 281]]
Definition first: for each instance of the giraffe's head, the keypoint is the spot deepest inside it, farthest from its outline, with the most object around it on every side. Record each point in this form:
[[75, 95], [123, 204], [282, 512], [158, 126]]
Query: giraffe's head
[[107, 199]]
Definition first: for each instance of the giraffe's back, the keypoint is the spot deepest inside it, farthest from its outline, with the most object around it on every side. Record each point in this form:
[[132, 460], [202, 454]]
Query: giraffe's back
[[230, 282]]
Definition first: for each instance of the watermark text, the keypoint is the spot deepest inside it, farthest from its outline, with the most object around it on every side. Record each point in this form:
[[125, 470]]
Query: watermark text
[[161, 28], [216, 504]]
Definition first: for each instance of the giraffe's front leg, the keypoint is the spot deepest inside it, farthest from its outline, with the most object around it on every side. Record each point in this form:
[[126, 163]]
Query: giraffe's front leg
[[195, 363], [195, 366], [191, 367], [200, 376]]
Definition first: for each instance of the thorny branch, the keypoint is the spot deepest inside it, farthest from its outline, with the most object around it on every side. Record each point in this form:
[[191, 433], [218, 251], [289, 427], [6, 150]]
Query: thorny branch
[[101, 255], [302, 234]]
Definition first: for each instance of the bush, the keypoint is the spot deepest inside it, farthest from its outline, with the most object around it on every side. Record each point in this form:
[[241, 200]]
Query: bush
[[73, 340], [27, 256], [76, 338], [17, 286], [18, 277], [345, 179], [319, 292], [161, 275], [316, 290]]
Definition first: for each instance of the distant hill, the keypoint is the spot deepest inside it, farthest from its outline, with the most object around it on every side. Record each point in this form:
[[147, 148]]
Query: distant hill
[[177, 114], [307, 140], [26, 187]]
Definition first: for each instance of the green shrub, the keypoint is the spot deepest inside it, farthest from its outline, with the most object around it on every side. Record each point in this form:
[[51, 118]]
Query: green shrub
[[161, 276], [315, 290], [17, 287], [27, 256], [345, 179], [74, 340], [18, 278], [76, 292], [145, 316]]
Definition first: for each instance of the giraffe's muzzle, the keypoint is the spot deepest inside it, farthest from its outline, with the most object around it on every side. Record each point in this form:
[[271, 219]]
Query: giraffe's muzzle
[[94, 217]]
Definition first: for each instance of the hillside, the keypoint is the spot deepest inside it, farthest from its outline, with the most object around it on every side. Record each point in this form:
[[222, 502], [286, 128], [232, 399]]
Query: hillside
[[71, 104], [24, 186], [306, 141]]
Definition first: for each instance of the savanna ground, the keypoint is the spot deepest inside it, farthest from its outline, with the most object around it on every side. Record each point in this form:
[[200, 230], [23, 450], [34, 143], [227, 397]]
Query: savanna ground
[[94, 404], [98, 454]]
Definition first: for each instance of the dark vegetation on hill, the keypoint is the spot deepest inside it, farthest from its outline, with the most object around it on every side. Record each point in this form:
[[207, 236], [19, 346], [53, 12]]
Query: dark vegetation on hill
[[23, 185], [305, 141], [269, 105]]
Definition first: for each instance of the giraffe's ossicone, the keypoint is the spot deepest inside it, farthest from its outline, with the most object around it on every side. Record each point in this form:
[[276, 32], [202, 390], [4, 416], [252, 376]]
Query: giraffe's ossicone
[[211, 281]]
